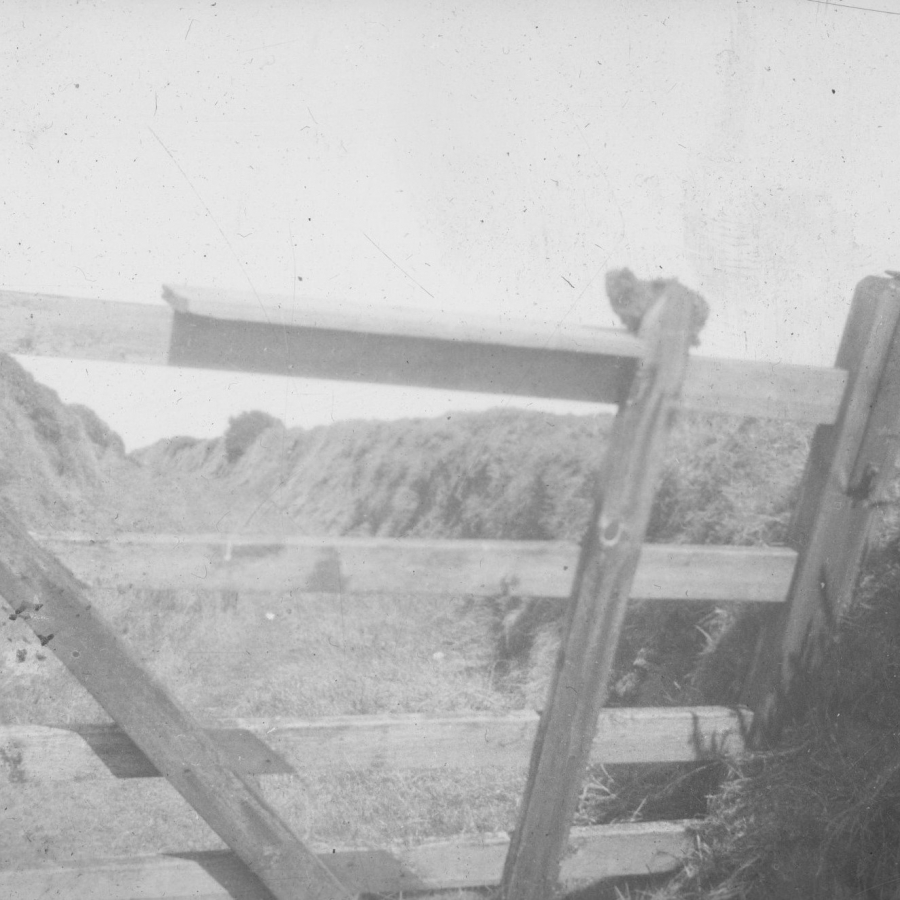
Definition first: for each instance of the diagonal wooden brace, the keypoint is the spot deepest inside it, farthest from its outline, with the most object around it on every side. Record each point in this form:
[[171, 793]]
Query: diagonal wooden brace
[[46, 596]]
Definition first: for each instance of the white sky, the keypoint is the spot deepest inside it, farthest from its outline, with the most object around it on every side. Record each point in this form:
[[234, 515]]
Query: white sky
[[503, 155]]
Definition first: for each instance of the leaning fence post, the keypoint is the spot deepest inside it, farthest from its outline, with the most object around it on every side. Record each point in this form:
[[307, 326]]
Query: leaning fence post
[[606, 568], [849, 465]]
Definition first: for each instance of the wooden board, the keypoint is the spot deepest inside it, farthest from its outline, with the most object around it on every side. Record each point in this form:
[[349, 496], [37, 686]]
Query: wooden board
[[466, 862], [606, 569], [222, 330], [47, 598], [442, 324], [422, 567], [765, 390], [834, 515], [238, 331], [36, 753], [82, 328]]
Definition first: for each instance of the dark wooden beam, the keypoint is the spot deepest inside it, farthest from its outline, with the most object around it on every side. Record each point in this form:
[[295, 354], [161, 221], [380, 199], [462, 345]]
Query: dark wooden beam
[[400, 359], [270, 335], [240, 331]]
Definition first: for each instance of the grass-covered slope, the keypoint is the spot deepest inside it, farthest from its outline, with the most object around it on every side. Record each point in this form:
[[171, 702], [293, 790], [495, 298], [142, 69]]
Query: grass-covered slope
[[62, 468], [516, 475], [495, 474], [499, 474], [53, 459], [818, 816]]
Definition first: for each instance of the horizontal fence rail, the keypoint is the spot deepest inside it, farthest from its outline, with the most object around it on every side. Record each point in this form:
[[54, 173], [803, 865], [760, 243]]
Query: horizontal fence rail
[[82, 328], [438, 567], [239, 331], [601, 851], [36, 753]]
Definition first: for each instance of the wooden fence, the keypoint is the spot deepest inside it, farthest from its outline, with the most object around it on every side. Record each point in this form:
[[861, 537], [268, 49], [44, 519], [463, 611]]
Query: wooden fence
[[213, 764]]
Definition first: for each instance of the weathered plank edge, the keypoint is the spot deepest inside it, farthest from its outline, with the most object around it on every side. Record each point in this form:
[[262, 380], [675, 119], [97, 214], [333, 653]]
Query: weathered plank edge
[[38, 753], [82, 328], [438, 324], [422, 567], [597, 852]]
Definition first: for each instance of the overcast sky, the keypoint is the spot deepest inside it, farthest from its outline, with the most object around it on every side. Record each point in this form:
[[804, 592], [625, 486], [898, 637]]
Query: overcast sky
[[491, 156]]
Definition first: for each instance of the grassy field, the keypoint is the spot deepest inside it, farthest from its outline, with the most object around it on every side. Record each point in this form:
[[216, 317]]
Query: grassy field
[[229, 654], [224, 654]]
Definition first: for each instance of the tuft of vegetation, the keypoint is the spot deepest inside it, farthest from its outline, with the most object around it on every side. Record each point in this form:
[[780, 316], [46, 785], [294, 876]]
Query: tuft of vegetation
[[244, 429], [725, 481], [182, 442], [729, 481], [819, 817], [46, 424], [99, 433]]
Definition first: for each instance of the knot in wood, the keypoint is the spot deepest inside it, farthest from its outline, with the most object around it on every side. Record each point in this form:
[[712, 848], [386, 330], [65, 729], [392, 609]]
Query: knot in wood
[[610, 532]]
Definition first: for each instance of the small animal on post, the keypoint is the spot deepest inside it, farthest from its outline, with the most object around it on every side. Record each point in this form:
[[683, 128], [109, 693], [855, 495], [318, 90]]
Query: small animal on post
[[631, 298]]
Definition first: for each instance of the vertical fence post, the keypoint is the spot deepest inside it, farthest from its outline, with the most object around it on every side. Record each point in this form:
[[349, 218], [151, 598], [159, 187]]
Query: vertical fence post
[[849, 465], [606, 568]]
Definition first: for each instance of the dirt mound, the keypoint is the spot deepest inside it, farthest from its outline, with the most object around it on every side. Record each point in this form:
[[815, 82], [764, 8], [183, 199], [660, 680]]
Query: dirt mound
[[63, 469]]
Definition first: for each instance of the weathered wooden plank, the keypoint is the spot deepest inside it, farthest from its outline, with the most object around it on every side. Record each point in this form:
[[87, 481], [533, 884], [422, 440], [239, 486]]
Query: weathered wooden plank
[[563, 361], [424, 567], [46, 597], [606, 569], [849, 466], [602, 851], [36, 753], [471, 365], [82, 328], [432, 324], [765, 390], [236, 330]]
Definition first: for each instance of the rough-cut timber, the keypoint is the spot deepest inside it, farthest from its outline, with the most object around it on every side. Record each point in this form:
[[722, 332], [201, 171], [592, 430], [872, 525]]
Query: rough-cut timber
[[35, 753], [606, 569], [43, 594], [237, 331], [499, 360], [594, 853], [850, 464], [422, 567]]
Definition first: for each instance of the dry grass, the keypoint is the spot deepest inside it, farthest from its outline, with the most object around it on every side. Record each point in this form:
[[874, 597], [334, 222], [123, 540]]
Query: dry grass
[[253, 655], [308, 655], [820, 816]]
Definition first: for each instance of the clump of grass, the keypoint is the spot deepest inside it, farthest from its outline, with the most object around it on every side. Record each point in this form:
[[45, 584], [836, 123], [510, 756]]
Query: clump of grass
[[819, 816], [729, 481], [725, 481], [647, 793]]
